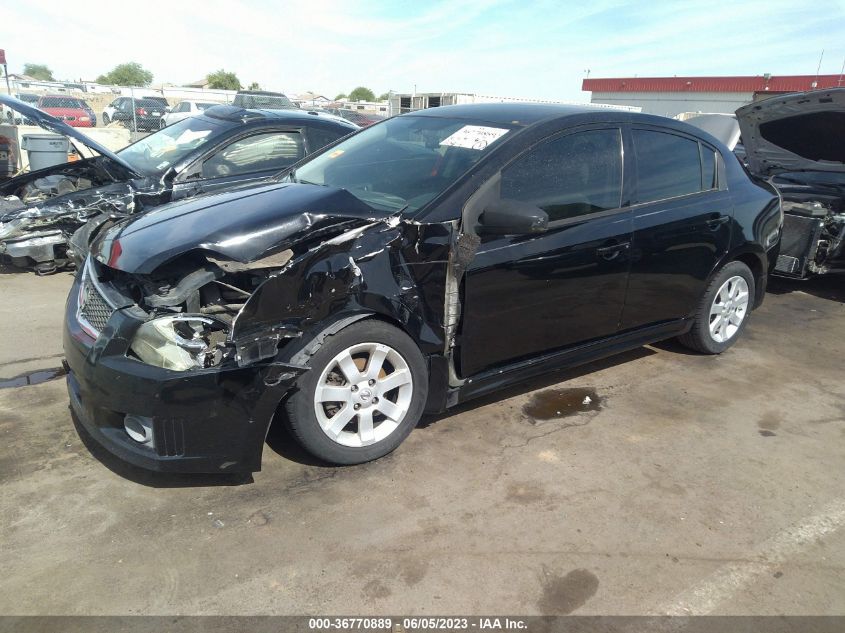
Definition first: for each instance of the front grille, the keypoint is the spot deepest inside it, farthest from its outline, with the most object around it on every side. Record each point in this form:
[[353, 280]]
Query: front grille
[[94, 308]]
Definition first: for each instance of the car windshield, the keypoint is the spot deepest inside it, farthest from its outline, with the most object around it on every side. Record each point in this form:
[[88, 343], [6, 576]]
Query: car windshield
[[59, 102], [404, 162], [203, 105], [156, 153], [149, 103], [264, 102]]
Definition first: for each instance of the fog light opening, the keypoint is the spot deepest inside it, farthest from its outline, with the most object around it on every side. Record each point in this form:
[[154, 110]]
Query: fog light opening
[[139, 429]]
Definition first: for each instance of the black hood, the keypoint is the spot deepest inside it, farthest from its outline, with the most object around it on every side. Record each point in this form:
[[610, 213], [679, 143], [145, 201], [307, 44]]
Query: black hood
[[52, 124], [242, 225], [803, 131]]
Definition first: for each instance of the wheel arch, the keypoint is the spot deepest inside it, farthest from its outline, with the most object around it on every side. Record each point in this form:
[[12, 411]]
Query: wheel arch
[[756, 261]]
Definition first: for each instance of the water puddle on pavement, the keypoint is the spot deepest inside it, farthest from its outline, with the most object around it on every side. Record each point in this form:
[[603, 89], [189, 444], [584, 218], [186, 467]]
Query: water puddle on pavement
[[32, 378], [554, 404]]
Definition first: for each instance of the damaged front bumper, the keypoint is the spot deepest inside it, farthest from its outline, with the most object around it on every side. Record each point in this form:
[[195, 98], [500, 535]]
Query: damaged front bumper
[[39, 247], [205, 421]]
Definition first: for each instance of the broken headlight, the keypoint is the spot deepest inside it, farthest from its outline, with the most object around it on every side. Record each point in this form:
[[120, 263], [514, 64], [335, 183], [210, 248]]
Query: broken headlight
[[180, 342]]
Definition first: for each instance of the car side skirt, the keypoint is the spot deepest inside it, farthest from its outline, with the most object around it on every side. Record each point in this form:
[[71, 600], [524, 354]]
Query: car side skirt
[[498, 378]]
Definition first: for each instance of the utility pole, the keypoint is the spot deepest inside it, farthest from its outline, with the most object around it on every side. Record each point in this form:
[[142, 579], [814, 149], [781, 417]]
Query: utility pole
[[5, 70], [815, 83]]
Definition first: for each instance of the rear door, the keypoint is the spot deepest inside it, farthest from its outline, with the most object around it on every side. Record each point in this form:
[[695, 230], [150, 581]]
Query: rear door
[[682, 225], [525, 295]]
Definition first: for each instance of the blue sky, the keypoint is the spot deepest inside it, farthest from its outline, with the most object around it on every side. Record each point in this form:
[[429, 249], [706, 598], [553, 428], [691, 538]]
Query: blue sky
[[521, 48]]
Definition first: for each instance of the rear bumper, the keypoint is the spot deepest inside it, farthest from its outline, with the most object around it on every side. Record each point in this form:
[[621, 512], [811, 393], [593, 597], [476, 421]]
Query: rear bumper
[[205, 421]]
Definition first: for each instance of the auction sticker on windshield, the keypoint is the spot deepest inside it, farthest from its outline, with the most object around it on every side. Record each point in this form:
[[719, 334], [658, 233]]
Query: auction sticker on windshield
[[474, 137]]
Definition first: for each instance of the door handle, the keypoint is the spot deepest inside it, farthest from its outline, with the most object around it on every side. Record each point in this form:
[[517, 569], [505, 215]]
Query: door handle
[[715, 222], [612, 251]]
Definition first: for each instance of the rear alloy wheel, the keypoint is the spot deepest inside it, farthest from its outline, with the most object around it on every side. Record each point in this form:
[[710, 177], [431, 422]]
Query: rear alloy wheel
[[728, 310], [723, 311], [364, 394]]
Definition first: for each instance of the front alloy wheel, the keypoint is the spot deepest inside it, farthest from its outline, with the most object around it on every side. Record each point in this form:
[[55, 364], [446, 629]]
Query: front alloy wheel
[[365, 391], [363, 394]]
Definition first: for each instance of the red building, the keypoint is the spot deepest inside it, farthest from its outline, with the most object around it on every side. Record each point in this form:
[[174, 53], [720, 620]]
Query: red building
[[669, 96]]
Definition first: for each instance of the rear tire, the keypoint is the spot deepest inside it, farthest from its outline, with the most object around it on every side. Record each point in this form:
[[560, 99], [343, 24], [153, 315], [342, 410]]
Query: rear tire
[[723, 311], [365, 392]]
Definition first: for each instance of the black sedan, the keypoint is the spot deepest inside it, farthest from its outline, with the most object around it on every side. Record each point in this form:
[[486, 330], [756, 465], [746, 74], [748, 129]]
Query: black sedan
[[223, 147], [422, 262]]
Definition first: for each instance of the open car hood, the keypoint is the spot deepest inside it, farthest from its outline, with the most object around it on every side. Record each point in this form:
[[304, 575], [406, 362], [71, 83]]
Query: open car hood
[[52, 124], [803, 131]]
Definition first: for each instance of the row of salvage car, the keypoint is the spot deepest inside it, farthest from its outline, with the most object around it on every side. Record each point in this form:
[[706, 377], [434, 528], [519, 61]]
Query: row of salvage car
[[48, 217], [414, 265]]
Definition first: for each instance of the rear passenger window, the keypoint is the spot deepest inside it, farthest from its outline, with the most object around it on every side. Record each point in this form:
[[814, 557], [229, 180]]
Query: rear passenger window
[[667, 165], [708, 168], [569, 176]]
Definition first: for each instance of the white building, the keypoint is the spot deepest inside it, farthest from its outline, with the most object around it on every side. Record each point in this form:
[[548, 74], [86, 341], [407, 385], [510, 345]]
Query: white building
[[669, 96], [401, 103]]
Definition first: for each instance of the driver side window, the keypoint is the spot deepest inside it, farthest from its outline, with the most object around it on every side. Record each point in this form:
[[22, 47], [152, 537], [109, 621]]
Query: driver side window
[[260, 152], [570, 175]]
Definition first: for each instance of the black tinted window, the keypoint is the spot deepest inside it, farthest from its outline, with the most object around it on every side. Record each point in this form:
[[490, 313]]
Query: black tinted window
[[318, 137], [708, 168], [667, 165], [570, 175]]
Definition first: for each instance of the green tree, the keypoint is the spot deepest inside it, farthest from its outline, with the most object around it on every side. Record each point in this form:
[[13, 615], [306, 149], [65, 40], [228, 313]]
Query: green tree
[[362, 94], [254, 86], [129, 74], [384, 96], [38, 71], [223, 80], [340, 97]]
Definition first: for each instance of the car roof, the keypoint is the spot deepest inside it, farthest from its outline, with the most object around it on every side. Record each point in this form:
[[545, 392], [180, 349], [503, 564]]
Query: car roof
[[523, 113], [234, 114]]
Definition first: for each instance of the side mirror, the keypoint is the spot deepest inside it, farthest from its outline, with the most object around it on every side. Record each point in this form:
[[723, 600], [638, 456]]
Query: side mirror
[[512, 217]]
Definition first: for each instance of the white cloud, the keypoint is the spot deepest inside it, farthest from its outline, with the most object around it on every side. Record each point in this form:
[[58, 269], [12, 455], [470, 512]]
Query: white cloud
[[531, 49]]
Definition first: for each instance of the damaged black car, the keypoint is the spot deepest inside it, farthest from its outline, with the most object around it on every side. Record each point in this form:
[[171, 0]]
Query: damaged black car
[[798, 142], [48, 216], [424, 261]]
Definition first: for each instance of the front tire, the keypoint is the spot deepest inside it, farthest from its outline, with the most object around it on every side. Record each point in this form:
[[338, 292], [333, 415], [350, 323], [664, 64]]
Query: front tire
[[723, 311], [106, 119], [364, 393]]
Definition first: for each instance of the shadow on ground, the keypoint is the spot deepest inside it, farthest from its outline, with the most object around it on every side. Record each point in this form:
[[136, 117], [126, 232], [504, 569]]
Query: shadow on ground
[[831, 287]]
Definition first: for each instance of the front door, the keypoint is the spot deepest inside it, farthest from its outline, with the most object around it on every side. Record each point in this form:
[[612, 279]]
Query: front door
[[525, 295]]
